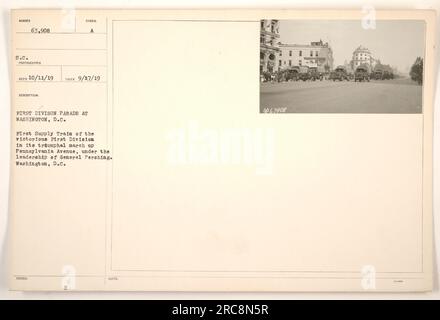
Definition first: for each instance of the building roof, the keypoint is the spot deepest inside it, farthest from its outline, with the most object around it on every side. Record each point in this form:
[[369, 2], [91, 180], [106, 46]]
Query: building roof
[[361, 49], [287, 45]]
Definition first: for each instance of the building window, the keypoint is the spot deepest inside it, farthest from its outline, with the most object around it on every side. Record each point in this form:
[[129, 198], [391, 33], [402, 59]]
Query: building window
[[280, 62], [290, 63], [316, 53], [300, 53], [300, 62], [311, 53], [290, 53], [281, 53]]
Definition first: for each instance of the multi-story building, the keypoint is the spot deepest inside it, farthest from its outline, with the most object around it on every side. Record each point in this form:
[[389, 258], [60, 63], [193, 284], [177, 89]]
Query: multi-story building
[[269, 45], [362, 55], [316, 54]]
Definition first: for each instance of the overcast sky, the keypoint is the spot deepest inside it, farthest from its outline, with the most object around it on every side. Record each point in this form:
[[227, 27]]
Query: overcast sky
[[397, 43]]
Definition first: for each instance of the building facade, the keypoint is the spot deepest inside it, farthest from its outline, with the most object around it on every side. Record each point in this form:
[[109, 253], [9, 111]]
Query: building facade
[[361, 55], [269, 45], [316, 54]]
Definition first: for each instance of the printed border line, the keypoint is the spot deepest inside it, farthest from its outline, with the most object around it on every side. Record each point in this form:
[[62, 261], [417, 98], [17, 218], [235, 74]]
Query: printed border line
[[232, 271]]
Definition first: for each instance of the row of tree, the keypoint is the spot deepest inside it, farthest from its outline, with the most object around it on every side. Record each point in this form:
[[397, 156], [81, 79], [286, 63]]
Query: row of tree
[[383, 67], [416, 72]]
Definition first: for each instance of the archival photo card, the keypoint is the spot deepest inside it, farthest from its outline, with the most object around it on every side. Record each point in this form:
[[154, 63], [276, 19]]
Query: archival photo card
[[341, 66], [141, 159]]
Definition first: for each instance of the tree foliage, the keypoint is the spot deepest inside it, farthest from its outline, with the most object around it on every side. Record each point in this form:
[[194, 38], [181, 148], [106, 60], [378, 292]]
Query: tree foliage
[[416, 72]]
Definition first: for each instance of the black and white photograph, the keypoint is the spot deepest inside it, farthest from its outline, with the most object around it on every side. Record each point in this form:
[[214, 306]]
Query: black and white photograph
[[341, 66]]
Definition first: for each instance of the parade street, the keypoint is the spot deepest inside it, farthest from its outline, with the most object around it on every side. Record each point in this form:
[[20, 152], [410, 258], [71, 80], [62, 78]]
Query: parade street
[[376, 96]]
